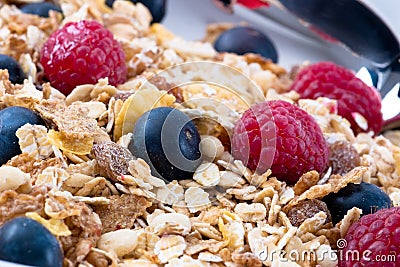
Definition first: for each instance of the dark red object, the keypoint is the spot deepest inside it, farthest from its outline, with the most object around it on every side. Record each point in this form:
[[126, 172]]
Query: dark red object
[[82, 53], [326, 79], [374, 240], [252, 3], [280, 136]]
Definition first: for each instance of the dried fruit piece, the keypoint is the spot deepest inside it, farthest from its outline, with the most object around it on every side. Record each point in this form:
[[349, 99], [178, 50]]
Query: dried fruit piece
[[113, 159], [343, 157], [307, 209]]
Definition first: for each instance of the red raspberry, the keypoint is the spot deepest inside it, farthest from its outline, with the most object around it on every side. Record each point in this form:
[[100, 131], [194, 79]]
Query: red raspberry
[[326, 79], [280, 136], [81, 53], [375, 239], [252, 3]]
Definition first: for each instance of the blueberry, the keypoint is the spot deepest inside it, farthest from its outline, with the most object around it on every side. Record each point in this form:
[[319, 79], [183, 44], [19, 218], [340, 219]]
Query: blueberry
[[365, 196], [14, 69], [242, 40], [11, 118], [157, 7], [40, 8], [25, 241], [168, 141]]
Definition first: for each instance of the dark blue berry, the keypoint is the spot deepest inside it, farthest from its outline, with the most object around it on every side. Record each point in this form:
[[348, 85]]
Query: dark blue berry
[[11, 118], [25, 241], [168, 141], [157, 8], [241, 40], [14, 69], [365, 196], [41, 8]]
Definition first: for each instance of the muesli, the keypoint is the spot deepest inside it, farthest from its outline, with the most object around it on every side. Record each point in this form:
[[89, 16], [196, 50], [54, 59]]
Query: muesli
[[76, 175]]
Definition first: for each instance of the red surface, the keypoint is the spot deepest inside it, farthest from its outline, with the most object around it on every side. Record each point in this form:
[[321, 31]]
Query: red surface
[[81, 53]]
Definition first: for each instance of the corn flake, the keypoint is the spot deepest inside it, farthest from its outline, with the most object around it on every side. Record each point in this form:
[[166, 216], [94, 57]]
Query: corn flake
[[56, 226]]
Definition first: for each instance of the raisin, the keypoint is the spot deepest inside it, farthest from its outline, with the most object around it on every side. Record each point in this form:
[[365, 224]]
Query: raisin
[[307, 209], [343, 157]]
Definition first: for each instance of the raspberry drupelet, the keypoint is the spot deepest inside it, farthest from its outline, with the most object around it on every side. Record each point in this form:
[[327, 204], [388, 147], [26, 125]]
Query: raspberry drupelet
[[354, 97], [280, 136], [82, 53], [374, 240]]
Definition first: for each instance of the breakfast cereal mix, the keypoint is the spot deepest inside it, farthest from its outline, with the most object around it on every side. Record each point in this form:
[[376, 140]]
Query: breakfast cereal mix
[[75, 171]]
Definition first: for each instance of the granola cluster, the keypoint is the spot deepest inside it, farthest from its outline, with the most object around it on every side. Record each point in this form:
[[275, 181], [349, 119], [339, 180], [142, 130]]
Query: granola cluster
[[79, 180]]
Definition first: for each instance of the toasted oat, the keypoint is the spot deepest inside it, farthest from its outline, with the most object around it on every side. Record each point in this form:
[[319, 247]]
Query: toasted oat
[[230, 179], [169, 247], [251, 213], [172, 193], [351, 216], [207, 174], [85, 185], [195, 244], [98, 258], [12, 178], [313, 224], [196, 199], [186, 261], [171, 223], [208, 231], [306, 181], [53, 177], [140, 169], [246, 259], [209, 257], [236, 234], [121, 242]]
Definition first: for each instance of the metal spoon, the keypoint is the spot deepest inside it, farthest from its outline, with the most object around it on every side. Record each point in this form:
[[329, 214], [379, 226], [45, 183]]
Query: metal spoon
[[352, 24]]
